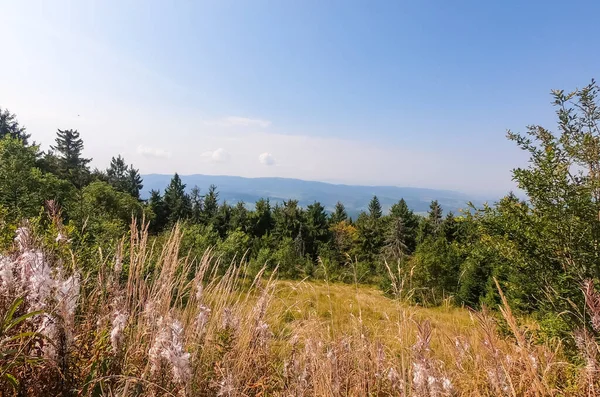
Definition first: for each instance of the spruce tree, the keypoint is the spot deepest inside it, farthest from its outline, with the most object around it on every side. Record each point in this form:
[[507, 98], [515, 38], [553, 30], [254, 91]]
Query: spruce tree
[[134, 182], [239, 217], [177, 202], [410, 223], [124, 178], [158, 207], [339, 214], [9, 126], [222, 219], [317, 228], [211, 205], [396, 240], [261, 219], [375, 211], [117, 173], [196, 201], [72, 166], [435, 215]]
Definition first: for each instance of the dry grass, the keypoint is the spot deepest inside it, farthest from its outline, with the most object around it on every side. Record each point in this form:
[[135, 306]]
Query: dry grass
[[167, 325]]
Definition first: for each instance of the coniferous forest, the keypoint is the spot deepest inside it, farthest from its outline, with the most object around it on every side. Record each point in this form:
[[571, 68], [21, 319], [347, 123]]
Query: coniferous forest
[[531, 253]]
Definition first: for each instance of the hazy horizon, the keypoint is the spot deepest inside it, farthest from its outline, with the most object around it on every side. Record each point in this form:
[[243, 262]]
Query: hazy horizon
[[387, 94]]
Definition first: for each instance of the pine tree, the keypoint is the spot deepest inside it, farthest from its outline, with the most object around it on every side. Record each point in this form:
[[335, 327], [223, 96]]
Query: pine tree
[[396, 240], [435, 215], [375, 211], [410, 223], [450, 228], [222, 219], [177, 202], [289, 219], [158, 207], [431, 225], [370, 237], [116, 173], [211, 205], [239, 217], [261, 219], [317, 228], [72, 166], [134, 182], [9, 126], [123, 178], [339, 214], [197, 202]]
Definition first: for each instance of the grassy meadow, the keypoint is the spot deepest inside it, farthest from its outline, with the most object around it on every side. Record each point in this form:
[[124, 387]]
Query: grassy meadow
[[153, 321]]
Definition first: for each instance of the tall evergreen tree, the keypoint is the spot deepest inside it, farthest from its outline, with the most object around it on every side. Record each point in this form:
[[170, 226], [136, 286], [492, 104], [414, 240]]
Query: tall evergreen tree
[[339, 214], [410, 223], [72, 165], [160, 211], [177, 202], [134, 182], [222, 219], [211, 205], [289, 219], [124, 178], [370, 238], [317, 228], [239, 217], [9, 126], [435, 215], [261, 219], [396, 240], [450, 228], [117, 173], [431, 225], [375, 211], [196, 200]]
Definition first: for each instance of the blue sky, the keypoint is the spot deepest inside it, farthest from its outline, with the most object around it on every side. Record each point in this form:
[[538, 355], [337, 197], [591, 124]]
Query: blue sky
[[402, 93]]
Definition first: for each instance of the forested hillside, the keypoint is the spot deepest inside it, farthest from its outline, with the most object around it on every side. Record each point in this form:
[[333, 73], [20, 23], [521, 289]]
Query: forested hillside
[[540, 251], [355, 198]]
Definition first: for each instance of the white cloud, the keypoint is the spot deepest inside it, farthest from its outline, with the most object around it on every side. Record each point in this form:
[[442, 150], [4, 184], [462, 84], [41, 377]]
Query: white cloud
[[235, 121], [266, 159], [153, 152], [217, 156]]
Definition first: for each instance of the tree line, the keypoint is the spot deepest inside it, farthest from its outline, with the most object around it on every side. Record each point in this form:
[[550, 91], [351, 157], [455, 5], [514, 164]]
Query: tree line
[[539, 248]]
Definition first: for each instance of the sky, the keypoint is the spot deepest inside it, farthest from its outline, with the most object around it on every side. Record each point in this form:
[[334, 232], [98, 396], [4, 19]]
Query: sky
[[405, 93]]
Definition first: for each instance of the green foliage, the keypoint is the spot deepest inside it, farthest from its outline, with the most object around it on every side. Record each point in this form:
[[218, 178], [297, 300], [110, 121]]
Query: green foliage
[[539, 249], [103, 213], [161, 213], [9, 127], [261, 220], [12, 353], [70, 161], [375, 211], [317, 230], [23, 186], [233, 248], [436, 263], [370, 238], [124, 178], [177, 203], [211, 205], [339, 214]]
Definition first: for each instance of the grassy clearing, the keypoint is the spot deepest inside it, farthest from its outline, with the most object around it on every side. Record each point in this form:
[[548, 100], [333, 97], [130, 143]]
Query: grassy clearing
[[167, 325]]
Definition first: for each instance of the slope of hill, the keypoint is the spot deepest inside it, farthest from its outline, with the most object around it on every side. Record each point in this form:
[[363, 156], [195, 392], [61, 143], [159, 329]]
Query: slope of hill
[[356, 198]]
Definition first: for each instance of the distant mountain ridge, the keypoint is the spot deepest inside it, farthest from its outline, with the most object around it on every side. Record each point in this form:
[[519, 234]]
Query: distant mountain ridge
[[355, 197]]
